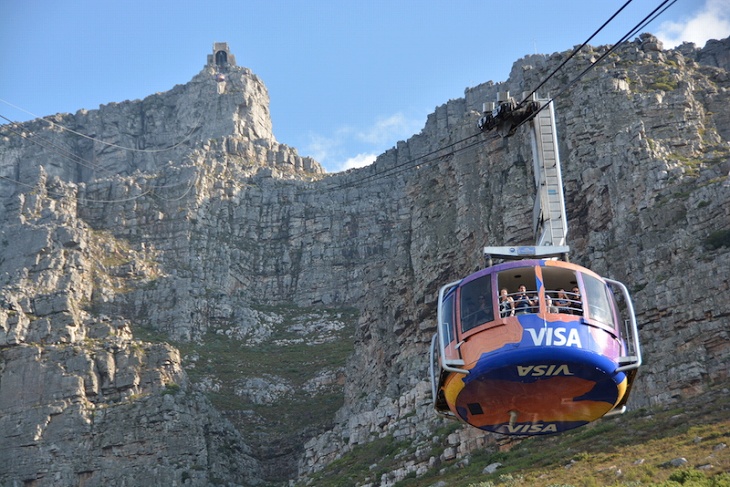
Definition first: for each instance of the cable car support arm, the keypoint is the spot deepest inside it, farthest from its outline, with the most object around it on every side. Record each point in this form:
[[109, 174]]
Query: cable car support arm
[[550, 224]]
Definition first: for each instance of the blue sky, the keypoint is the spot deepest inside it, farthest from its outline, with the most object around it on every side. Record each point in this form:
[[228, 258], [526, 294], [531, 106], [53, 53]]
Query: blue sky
[[347, 79]]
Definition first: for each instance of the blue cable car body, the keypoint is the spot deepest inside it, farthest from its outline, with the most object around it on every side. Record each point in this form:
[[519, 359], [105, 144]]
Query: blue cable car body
[[547, 369]]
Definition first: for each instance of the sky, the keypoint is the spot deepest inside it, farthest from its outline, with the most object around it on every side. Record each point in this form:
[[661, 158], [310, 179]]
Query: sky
[[347, 79]]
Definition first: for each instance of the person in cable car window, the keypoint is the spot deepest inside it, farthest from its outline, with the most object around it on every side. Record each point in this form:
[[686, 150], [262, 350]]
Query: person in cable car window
[[468, 313], [524, 303], [576, 306], [562, 302], [506, 304], [550, 306], [485, 309], [475, 314]]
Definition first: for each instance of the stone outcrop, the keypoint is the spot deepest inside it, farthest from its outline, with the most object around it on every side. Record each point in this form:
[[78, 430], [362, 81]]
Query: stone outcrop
[[180, 218], [82, 402]]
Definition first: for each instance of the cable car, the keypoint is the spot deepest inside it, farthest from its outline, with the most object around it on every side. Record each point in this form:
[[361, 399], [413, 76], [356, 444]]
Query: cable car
[[534, 345], [559, 355]]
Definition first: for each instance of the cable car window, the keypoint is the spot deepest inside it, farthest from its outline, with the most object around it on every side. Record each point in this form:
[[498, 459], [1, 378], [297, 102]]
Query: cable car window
[[476, 303], [520, 284], [447, 319], [599, 308], [619, 307], [559, 283]]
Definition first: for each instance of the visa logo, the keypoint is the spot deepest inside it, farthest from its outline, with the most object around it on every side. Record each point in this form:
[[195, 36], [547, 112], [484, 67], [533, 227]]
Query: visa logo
[[543, 370], [555, 337], [528, 428]]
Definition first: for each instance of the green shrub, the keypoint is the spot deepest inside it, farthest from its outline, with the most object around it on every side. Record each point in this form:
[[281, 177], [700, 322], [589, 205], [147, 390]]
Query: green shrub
[[720, 238], [171, 388], [683, 476]]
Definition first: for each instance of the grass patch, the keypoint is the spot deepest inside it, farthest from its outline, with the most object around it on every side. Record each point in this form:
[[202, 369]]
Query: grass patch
[[233, 372], [633, 450], [229, 359], [717, 239], [171, 388], [363, 463], [664, 82]]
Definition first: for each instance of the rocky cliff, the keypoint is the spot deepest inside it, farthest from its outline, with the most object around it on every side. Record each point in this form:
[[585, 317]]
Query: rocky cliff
[[189, 302]]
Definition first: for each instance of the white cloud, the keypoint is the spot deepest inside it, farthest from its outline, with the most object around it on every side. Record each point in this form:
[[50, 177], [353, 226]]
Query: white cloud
[[321, 148], [711, 21], [360, 160], [335, 152], [389, 130]]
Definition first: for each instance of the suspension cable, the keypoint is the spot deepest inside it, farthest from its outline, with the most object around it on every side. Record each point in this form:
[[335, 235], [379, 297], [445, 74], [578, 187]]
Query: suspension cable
[[660, 9], [410, 163], [575, 51], [62, 151], [644, 22], [110, 144]]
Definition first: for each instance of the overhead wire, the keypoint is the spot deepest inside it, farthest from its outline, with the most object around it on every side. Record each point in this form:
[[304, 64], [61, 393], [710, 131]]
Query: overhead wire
[[409, 163], [388, 172], [152, 191], [335, 209], [428, 158], [47, 144], [573, 54], [441, 157], [65, 153], [110, 144], [644, 22], [85, 200], [399, 168], [660, 9]]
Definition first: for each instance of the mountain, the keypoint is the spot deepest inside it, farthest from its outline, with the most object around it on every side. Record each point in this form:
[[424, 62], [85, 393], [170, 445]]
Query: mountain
[[187, 301]]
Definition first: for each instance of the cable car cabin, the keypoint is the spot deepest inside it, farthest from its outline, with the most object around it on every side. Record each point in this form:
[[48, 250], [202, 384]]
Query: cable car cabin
[[560, 354]]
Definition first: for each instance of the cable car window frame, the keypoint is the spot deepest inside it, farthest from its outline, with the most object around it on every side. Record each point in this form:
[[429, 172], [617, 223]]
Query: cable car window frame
[[470, 290], [447, 326], [554, 279], [597, 305], [449, 352], [612, 327], [618, 307]]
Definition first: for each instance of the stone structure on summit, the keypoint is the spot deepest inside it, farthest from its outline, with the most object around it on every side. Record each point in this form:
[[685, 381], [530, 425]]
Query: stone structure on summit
[[184, 299], [221, 57]]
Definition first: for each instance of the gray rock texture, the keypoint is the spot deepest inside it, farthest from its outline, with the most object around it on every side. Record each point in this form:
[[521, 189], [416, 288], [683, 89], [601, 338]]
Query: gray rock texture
[[180, 219]]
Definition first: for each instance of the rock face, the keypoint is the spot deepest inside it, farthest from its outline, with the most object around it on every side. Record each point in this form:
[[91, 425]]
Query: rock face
[[180, 218]]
